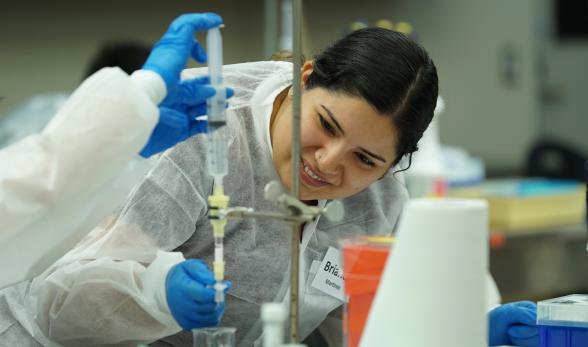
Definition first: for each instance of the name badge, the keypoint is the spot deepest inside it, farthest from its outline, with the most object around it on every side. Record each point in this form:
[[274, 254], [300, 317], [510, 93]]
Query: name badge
[[329, 276]]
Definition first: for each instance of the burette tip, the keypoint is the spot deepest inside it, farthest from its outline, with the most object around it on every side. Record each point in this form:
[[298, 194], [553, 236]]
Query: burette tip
[[219, 295]]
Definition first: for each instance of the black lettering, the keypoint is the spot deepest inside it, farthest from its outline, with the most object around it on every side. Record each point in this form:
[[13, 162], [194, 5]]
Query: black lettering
[[328, 266]]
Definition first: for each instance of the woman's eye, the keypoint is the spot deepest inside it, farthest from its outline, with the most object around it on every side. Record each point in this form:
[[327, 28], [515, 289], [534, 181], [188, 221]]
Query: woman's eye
[[326, 125], [365, 160]]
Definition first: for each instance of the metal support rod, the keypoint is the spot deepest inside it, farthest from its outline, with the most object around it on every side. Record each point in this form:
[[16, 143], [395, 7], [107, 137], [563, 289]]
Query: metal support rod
[[295, 162], [294, 283], [270, 28], [241, 213], [297, 54]]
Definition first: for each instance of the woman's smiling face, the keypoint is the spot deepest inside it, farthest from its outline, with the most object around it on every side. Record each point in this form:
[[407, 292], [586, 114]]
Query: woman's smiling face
[[345, 144]]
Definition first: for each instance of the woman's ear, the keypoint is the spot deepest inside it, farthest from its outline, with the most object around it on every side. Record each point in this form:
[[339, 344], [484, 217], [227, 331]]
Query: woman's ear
[[305, 71]]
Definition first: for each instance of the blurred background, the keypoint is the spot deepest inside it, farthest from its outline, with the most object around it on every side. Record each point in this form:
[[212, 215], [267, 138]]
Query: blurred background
[[513, 129]]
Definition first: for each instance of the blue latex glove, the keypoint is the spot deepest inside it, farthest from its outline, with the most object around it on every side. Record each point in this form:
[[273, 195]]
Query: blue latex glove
[[170, 54], [189, 298], [190, 96], [514, 324], [185, 100], [178, 115]]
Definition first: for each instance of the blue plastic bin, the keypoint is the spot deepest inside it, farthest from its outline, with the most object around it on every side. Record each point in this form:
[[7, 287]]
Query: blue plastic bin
[[562, 336], [563, 321]]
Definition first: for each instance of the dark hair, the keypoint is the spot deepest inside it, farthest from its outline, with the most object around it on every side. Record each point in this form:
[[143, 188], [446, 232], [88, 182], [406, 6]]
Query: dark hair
[[391, 72], [128, 55]]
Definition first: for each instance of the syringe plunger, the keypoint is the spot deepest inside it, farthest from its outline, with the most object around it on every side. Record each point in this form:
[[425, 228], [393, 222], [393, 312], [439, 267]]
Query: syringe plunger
[[216, 104], [214, 47]]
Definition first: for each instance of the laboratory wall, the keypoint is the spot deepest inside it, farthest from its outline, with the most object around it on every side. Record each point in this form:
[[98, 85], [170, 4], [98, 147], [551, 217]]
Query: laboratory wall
[[485, 54], [47, 44], [564, 73], [507, 81]]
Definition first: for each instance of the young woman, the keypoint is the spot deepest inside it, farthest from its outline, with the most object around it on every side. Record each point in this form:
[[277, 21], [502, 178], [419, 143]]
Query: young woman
[[366, 102]]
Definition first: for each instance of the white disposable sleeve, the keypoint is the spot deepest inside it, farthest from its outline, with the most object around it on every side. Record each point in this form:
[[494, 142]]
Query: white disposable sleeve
[[52, 183], [105, 301], [110, 289]]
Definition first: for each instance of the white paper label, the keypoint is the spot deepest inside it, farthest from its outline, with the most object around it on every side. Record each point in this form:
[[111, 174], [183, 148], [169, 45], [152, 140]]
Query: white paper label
[[329, 276]]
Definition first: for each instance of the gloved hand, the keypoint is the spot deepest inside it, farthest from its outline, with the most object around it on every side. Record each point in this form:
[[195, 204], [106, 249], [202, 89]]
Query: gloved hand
[[190, 300], [185, 100], [513, 324], [178, 115], [170, 54]]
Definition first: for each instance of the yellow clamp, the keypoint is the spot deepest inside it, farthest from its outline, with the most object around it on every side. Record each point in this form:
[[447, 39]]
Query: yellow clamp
[[217, 202]]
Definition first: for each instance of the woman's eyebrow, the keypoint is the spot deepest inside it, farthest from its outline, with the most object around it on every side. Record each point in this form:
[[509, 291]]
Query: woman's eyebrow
[[371, 154], [375, 156], [333, 119]]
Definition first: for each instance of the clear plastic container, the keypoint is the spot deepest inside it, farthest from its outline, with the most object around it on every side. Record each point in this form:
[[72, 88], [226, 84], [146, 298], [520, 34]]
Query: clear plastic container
[[214, 337], [563, 321]]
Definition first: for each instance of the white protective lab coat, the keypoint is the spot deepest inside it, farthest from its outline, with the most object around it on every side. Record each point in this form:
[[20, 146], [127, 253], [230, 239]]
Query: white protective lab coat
[[110, 289], [56, 185]]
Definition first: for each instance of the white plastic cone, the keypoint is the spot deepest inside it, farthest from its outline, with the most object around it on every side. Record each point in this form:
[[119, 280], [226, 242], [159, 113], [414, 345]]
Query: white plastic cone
[[432, 291]]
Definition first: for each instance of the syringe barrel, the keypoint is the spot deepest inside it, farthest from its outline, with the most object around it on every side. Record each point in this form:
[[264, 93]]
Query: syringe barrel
[[218, 165], [216, 108]]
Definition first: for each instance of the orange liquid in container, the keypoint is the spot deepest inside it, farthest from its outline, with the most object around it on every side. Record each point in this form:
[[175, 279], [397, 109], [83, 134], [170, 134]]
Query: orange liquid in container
[[364, 259]]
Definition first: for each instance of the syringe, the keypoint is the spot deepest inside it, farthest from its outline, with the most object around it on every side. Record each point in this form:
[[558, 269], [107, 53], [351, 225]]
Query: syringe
[[217, 155], [217, 120]]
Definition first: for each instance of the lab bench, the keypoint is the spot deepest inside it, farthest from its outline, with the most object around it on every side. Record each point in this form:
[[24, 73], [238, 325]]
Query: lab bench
[[541, 263]]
